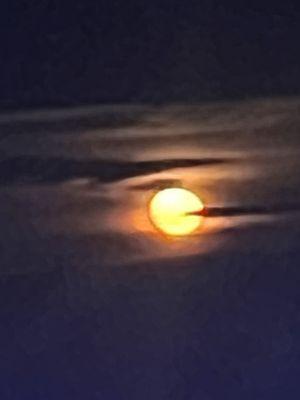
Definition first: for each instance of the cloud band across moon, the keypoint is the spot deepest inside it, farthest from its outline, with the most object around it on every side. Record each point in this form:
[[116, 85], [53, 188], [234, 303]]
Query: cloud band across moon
[[212, 212]]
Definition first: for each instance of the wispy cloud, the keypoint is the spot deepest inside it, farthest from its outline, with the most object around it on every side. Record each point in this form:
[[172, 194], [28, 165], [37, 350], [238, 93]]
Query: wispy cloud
[[26, 169]]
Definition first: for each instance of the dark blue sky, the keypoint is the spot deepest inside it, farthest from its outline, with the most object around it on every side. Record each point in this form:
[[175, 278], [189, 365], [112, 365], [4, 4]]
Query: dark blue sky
[[90, 310], [95, 305], [54, 53]]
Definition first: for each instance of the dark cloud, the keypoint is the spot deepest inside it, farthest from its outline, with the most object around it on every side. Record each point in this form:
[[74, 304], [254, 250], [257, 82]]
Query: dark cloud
[[246, 210], [26, 169], [156, 184]]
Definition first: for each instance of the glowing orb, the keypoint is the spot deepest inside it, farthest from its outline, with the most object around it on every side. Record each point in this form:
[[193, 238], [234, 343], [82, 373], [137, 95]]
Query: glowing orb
[[168, 211]]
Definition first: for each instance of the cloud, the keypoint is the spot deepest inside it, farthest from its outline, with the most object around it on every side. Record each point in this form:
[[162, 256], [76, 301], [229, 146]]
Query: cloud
[[247, 210], [31, 169], [156, 184], [70, 125]]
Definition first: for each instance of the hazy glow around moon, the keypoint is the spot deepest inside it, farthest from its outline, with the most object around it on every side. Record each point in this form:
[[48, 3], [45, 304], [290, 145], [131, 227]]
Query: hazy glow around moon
[[168, 208]]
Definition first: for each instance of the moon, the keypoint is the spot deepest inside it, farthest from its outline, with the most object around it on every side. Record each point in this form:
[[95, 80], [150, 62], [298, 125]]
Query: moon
[[168, 211]]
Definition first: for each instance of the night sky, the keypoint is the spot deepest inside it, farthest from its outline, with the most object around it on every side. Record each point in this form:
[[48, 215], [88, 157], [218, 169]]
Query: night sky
[[59, 53], [102, 105]]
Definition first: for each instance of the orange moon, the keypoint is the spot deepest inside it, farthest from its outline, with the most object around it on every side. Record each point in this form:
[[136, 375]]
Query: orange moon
[[168, 211]]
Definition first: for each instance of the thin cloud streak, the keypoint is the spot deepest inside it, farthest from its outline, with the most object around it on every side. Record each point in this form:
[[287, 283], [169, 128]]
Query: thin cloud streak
[[29, 169], [212, 212]]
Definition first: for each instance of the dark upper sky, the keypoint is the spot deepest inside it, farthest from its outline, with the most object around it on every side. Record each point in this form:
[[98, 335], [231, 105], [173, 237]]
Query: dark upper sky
[[54, 53]]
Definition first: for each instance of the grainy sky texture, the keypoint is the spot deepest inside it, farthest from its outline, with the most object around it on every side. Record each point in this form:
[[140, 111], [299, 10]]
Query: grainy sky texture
[[103, 103], [118, 51]]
